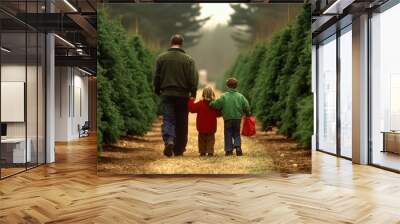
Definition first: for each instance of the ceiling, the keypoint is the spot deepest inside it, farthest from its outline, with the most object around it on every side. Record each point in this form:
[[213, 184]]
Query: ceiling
[[74, 22], [333, 14], [201, 1]]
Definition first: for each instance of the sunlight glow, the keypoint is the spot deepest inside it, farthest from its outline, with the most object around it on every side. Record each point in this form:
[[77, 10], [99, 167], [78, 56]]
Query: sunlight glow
[[219, 13]]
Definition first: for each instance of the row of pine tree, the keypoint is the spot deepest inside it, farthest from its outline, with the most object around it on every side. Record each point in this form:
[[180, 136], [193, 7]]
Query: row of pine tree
[[276, 78], [126, 103]]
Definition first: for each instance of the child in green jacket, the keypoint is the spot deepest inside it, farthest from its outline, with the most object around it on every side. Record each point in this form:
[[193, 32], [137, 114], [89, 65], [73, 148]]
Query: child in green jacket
[[233, 105]]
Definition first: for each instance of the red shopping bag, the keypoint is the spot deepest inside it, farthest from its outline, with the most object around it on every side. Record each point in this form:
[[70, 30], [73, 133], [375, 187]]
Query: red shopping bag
[[249, 126]]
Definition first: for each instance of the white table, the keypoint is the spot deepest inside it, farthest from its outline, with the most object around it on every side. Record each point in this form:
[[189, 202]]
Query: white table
[[18, 144]]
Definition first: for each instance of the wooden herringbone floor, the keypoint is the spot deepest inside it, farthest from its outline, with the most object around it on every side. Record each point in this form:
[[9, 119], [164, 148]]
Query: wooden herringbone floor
[[69, 191]]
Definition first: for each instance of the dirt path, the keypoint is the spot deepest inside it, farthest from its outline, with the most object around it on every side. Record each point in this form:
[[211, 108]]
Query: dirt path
[[264, 153]]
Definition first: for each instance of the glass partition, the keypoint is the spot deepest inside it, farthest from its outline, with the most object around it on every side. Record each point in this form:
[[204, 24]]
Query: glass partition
[[327, 95], [15, 151], [22, 77]]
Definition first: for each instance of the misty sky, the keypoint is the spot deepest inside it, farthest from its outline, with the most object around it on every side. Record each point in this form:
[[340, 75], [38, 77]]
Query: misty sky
[[219, 12], [216, 50]]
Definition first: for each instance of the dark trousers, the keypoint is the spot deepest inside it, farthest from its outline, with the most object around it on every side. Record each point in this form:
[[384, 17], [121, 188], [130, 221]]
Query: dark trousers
[[206, 143], [232, 134], [175, 122]]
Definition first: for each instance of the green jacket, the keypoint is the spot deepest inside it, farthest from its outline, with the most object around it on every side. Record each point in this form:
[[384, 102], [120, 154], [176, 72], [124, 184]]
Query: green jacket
[[175, 74], [233, 105]]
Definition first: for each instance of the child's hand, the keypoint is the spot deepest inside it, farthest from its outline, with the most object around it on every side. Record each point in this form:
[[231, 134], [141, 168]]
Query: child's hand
[[219, 113]]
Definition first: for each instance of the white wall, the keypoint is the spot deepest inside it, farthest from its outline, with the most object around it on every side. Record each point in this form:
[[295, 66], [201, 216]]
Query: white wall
[[71, 102], [80, 110], [12, 73], [33, 127], [62, 81]]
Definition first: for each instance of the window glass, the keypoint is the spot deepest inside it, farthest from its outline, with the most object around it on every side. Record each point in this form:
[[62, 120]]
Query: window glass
[[346, 92], [327, 95], [385, 88]]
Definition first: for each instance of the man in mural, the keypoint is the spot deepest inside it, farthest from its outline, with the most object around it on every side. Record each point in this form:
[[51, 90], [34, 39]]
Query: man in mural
[[175, 81]]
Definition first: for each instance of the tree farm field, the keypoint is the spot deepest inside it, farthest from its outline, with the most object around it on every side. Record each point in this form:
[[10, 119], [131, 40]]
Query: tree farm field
[[264, 153], [270, 61]]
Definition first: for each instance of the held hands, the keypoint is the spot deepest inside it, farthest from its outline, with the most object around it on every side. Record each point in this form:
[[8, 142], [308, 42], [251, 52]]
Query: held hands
[[157, 91]]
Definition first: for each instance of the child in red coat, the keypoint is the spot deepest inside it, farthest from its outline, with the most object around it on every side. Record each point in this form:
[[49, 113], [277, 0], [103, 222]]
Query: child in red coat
[[206, 121]]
